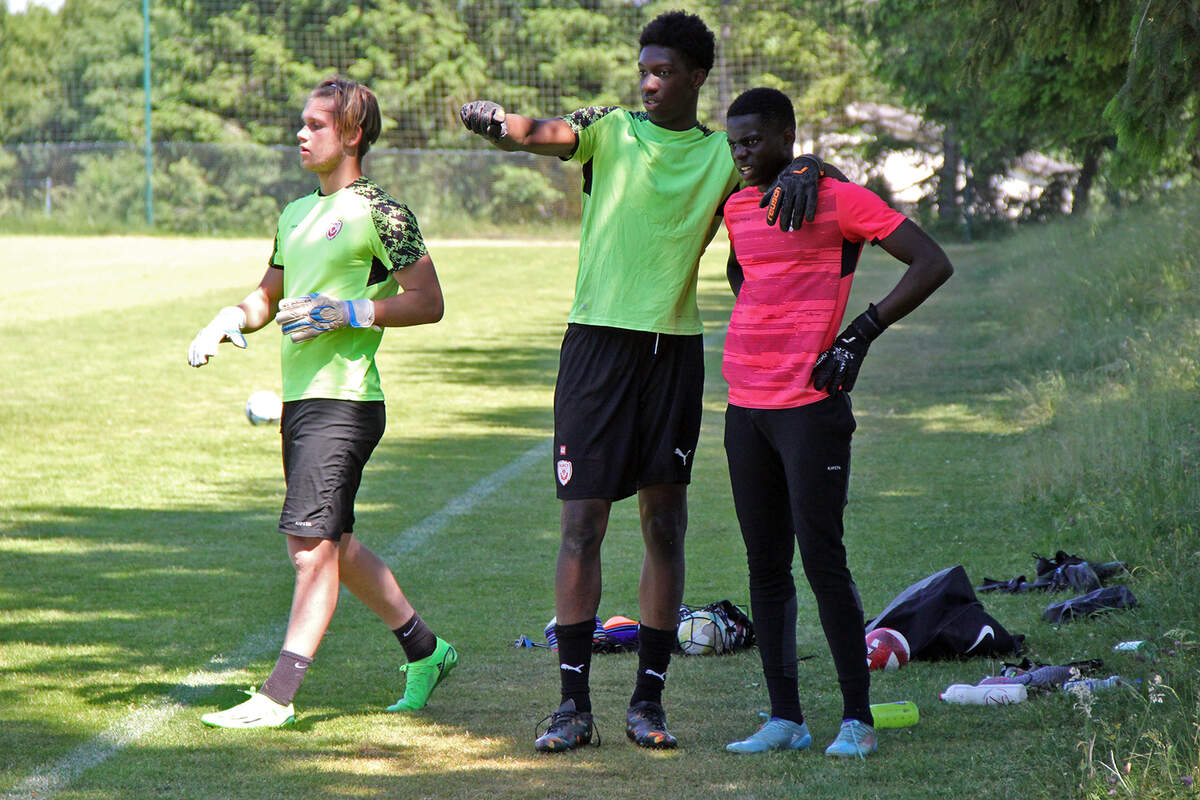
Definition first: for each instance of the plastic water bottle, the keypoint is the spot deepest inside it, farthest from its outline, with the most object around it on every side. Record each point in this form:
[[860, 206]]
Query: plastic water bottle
[[900, 714], [998, 694], [1140, 649], [1095, 684]]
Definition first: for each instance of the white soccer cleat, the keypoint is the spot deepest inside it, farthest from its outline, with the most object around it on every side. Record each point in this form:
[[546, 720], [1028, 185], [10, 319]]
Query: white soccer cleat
[[259, 711]]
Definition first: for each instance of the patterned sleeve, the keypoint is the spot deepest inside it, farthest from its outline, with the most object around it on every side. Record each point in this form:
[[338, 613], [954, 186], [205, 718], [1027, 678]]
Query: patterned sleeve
[[582, 122], [397, 228], [578, 120]]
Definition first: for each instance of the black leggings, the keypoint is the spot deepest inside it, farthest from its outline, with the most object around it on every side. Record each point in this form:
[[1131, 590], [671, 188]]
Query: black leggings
[[789, 470]]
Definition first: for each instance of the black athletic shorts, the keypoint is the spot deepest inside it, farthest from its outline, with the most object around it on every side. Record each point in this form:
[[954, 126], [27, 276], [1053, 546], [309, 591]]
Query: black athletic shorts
[[326, 444], [627, 411]]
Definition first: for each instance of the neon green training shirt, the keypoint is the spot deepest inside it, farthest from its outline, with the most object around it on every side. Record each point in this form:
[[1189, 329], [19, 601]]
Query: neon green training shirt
[[651, 203], [345, 245]]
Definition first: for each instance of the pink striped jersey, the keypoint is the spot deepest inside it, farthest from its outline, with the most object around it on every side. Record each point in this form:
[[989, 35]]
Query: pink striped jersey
[[790, 307]]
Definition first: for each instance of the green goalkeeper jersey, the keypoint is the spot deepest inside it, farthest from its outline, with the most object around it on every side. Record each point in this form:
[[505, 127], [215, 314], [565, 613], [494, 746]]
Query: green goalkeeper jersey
[[652, 200], [345, 245]]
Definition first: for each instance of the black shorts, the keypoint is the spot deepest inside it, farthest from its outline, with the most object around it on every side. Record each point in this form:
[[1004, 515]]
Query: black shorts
[[627, 411], [326, 444]]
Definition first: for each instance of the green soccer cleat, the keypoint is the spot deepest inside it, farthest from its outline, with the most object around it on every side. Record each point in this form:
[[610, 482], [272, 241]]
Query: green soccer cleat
[[259, 711], [855, 740], [424, 675]]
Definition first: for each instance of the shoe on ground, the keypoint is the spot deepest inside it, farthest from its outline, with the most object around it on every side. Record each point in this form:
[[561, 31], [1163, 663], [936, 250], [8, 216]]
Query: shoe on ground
[[646, 726], [855, 740], [259, 711], [776, 734], [567, 729], [424, 675]]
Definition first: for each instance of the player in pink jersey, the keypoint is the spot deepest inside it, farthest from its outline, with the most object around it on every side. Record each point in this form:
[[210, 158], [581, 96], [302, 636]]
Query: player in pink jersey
[[789, 423]]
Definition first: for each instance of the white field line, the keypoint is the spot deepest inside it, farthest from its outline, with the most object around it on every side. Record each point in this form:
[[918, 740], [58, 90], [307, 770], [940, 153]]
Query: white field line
[[51, 778]]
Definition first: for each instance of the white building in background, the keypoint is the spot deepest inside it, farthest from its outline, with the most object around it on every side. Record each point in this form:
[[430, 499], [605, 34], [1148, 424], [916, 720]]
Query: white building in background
[[19, 6], [905, 170]]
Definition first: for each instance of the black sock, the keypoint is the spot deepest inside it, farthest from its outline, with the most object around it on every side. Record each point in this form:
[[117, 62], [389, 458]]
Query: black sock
[[575, 661], [416, 639], [654, 656], [284, 681]]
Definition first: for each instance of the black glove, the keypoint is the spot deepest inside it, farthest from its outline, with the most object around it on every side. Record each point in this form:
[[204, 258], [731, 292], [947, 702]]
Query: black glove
[[837, 368], [484, 118], [792, 198]]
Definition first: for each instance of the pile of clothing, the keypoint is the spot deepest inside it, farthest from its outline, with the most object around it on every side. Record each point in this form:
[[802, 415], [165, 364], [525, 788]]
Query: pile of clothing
[[1070, 572]]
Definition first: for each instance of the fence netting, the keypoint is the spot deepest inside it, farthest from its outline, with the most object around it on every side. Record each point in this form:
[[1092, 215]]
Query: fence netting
[[229, 77]]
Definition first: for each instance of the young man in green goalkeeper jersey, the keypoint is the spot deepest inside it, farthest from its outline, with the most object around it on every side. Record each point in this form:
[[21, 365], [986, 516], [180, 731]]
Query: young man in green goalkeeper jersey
[[349, 240], [627, 402]]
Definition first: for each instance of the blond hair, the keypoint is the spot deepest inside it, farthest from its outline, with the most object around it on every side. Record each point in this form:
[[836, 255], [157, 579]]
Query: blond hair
[[354, 106]]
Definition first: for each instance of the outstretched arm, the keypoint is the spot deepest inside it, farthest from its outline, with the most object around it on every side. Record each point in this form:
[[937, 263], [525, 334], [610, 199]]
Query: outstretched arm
[[545, 137]]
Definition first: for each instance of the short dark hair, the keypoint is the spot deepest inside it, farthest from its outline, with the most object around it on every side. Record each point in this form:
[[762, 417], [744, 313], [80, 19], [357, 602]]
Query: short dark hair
[[685, 34], [354, 106], [770, 104]]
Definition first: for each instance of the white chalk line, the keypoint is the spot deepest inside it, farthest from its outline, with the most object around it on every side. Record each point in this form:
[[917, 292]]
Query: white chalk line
[[52, 778]]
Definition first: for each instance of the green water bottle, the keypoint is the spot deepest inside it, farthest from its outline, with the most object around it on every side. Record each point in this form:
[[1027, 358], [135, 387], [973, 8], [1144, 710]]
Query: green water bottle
[[900, 714]]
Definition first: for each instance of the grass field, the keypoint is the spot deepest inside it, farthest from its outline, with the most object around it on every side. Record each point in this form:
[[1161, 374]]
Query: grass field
[[1046, 398]]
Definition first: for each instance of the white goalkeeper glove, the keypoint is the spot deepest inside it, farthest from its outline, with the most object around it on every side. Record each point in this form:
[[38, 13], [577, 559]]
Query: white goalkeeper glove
[[307, 317], [226, 325]]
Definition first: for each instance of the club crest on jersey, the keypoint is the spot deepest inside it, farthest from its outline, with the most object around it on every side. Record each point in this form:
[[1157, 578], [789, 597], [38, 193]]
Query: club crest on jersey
[[564, 470], [334, 230]]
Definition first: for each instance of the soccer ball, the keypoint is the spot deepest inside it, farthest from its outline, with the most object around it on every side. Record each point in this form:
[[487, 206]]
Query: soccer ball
[[886, 649], [264, 408], [701, 634]]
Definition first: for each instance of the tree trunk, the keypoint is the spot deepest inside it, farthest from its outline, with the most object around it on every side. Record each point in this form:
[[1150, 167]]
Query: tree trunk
[[947, 183], [1080, 197]]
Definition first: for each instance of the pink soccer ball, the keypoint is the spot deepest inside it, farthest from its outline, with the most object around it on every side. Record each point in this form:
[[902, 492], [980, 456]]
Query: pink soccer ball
[[886, 649]]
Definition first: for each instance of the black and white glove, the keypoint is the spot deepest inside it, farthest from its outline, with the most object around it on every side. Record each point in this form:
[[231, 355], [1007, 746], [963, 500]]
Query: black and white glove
[[837, 368], [484, 118], [792, 198]]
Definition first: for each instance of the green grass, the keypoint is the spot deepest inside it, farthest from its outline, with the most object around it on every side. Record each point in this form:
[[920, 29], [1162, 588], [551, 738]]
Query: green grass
[[1046, 398]]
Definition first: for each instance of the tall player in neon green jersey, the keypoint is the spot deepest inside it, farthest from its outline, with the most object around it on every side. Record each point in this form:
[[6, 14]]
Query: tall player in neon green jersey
[[627, 402], [348, 240]]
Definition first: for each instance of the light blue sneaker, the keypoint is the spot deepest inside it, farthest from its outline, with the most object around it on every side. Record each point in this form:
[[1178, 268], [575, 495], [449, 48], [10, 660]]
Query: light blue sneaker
[[855, 740], [776, 734]]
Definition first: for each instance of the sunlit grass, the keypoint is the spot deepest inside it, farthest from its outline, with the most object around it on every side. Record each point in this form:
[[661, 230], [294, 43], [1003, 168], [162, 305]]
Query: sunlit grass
[[1022, 410]]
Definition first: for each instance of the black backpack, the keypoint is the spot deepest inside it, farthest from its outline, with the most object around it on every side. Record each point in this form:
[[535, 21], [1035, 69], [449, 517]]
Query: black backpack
[[941, 618]]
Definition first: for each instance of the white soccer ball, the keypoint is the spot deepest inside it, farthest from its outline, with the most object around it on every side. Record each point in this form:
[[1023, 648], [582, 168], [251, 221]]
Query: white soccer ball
[[701, 634], [264, 408]]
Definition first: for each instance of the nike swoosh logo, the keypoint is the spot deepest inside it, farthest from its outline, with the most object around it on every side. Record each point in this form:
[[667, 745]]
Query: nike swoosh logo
[[984, 632]]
